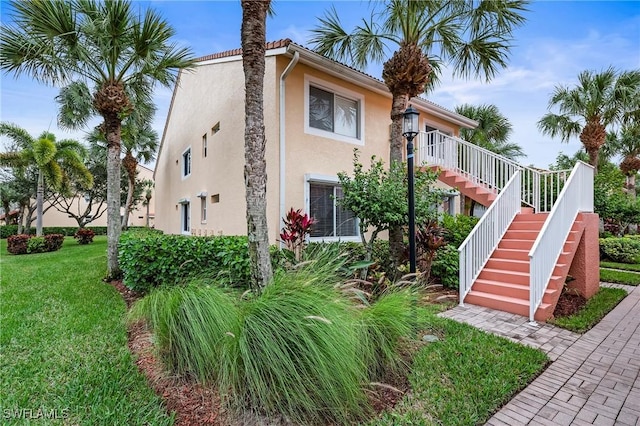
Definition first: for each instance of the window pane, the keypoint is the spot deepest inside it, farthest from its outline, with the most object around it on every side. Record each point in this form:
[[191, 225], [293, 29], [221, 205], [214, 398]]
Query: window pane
[[321, 209], [320, 109], [345, 219], [346, 114]]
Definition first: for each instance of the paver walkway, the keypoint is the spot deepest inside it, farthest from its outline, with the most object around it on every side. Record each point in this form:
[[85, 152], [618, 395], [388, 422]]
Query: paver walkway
[[594, 379]]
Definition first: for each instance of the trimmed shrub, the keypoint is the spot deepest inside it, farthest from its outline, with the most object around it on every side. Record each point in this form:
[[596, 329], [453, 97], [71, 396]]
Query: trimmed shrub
[[17, 244], [8, 230], [84, 236], [36, 245], [53, 242], [624, 250], [29, 244], [150, 259], [446, 266]]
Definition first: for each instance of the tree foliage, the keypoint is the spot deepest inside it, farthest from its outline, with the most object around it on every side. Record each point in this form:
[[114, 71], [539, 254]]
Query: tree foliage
[[378, 197]]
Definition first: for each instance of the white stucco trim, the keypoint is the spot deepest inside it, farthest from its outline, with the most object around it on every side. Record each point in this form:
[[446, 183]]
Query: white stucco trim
[[341, 91]]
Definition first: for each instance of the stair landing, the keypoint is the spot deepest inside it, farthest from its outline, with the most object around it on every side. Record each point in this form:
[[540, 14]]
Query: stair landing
[[466, 186]]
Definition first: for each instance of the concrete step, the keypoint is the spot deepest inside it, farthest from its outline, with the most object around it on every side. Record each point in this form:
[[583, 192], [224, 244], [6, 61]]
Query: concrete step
[[521, 234], [508, 264], [512, 254], [512, 243], [508, 304], [529, 225], [513, 277]]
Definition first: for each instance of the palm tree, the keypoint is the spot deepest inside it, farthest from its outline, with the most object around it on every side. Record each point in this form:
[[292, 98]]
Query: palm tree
[[473, 37], [253, 35], [493, 131], [598, 101], [103, 52], [50, 157], [627, 144]]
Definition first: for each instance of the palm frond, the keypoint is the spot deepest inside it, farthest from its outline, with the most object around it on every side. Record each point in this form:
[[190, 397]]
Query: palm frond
[[17, 134], [76, 105]]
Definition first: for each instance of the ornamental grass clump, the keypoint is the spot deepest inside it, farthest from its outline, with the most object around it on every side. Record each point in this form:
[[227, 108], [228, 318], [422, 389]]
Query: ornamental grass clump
[[304, 349]]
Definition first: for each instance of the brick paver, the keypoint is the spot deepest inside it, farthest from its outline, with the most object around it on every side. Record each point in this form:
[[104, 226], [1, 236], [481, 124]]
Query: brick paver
[[595, 377]]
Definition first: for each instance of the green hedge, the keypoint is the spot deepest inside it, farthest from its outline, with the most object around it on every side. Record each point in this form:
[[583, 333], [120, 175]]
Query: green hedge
[[149, 259], [67, 231], [624, 250]]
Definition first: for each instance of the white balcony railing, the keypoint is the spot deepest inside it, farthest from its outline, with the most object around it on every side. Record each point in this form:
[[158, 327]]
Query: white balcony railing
[[476, 249], [538, 188], [576, 196]]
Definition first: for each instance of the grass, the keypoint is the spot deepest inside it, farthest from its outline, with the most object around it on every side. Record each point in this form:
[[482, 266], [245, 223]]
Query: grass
[[619, 277], [596, 308], [464, 377], [64, 344], [617, 265]]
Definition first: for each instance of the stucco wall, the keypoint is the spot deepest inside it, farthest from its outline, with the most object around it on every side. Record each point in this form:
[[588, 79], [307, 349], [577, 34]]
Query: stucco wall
[[138, 216], [215, 93]]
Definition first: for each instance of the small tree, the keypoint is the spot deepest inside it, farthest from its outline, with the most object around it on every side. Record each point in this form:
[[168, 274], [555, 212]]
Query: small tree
[[297, 226], [378, 197]]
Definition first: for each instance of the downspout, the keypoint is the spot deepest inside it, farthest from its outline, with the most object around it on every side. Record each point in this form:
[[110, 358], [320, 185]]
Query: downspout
[[283, 155]]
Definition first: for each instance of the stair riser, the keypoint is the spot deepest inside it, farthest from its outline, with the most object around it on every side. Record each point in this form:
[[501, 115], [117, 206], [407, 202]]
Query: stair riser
[[505, 265], [515, 244], [542, 314], [521, 235], [519, 292], [510, 254], [504, 277], [526, 226]]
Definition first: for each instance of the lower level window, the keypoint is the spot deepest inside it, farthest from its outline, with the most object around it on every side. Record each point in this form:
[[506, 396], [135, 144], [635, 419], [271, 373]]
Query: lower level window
[[331, 219], [184, 218]]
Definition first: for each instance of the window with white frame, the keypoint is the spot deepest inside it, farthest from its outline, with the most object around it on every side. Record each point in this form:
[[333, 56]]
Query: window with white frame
[[185, 217], [333, 112], [203, 209], [186, 163], [332, 221]]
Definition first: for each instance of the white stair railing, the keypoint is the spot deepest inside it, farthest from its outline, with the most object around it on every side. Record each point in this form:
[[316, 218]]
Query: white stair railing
[[485, 236], [576, 196], [539, 188]]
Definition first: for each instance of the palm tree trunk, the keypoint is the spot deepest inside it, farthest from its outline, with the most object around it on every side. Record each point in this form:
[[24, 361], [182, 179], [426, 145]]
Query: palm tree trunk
[[594, 155], [147, 224], [253, 35], [631, 185], [39, 203], [127, 206], [396, 241], [113, 126]]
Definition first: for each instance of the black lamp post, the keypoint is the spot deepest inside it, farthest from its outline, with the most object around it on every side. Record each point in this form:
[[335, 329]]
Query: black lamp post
[[410, 131]]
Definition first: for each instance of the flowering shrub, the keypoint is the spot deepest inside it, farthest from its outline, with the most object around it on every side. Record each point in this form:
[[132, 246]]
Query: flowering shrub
[[84, 236], [297, 226], [53, 242]]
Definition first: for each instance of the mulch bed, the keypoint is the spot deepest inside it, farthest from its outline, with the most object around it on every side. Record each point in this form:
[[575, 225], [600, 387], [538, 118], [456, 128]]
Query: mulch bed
[[569, 303], [195, 404]]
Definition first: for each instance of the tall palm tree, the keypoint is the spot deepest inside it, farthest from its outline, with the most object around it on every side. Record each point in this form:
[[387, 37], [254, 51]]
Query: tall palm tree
[[627, 144], [493, 131], [52, 159], [597, 102], [473, 37], [108, 51], [253, 35]]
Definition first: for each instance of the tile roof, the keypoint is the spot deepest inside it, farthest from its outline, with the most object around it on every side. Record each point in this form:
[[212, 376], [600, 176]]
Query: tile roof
[[234, 52]]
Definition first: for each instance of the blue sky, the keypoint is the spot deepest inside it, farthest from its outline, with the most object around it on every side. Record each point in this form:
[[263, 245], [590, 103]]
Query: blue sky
[[559, 40]]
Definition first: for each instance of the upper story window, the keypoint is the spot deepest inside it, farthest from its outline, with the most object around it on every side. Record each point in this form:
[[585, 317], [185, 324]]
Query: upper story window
[[186, 163], [333, 112], [204, 145]]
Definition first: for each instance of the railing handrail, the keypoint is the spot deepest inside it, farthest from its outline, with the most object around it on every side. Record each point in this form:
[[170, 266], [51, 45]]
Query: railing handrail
[[576, 196], [555, 207], [486, 213], [476, 250], [477, 148]]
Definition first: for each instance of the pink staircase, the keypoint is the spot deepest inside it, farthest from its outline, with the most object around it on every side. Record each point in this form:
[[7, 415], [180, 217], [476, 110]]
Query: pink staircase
[[467, 187], [503, 283]]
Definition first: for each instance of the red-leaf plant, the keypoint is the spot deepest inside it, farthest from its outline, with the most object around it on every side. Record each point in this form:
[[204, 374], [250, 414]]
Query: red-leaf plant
[[429, 238], [297, 226]]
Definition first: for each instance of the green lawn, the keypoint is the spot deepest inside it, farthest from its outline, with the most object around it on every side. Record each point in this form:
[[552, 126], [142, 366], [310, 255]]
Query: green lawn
[[617, 265], [64, 344], [596, 308], [64, 347], [619, 277]]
